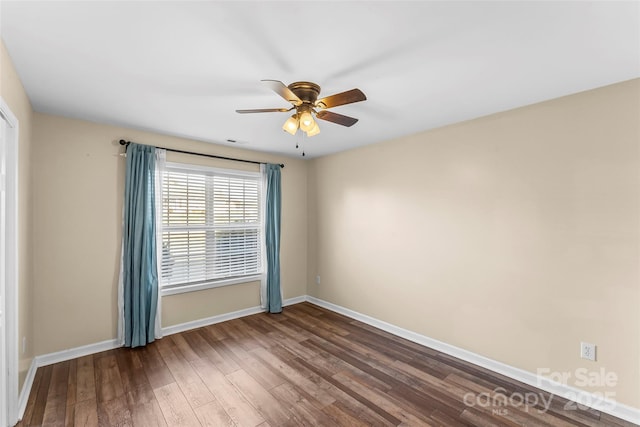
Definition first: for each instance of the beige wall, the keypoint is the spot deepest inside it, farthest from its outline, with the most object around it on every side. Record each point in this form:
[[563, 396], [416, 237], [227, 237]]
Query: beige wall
[[77, 224], [14, 95], [514, 236]]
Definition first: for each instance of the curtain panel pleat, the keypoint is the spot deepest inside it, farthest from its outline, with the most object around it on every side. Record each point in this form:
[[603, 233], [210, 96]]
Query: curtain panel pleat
[[273, 293], [161, 166], [139, 258]]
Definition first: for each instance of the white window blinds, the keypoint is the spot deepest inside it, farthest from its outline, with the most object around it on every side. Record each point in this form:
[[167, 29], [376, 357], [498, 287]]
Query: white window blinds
[[211, 227]]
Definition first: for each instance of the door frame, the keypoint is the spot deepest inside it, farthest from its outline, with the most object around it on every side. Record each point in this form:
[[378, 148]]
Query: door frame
[[11, 261]]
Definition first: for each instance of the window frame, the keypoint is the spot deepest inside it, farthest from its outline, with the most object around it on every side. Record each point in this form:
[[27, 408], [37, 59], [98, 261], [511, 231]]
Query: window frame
[[164, 289]]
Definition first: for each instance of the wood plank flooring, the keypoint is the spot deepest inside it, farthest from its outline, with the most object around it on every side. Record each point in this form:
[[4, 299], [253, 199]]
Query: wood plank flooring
[[304, 367]]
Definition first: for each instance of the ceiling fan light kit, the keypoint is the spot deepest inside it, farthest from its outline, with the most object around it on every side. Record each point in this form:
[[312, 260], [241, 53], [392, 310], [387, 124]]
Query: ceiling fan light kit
[[304, 98]]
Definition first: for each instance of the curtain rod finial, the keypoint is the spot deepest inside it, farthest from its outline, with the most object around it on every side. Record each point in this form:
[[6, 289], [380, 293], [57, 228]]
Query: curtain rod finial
[[123, 142]]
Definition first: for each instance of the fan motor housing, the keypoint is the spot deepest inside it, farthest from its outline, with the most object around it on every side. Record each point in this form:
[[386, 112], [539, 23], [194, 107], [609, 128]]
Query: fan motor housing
[[307, 91]]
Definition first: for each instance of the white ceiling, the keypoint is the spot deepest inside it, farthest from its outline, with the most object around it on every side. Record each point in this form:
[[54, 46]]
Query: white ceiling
[[183, 68]]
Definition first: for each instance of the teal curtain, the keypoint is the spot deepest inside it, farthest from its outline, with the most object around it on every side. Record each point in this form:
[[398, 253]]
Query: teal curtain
[[272, 231], [139, 273]]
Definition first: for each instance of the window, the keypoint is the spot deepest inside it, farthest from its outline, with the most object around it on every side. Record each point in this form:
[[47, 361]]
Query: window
[[211, 228]]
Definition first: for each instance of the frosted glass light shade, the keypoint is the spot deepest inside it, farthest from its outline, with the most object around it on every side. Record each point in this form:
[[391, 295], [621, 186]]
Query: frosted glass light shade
[[306, 121], [291, 125], [314, 130]]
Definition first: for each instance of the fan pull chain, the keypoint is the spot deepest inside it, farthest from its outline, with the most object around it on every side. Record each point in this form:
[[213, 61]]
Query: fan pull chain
[[299, 143]]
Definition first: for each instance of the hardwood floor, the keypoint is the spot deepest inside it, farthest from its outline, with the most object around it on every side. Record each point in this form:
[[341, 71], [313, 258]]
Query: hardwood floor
[[304, 367]]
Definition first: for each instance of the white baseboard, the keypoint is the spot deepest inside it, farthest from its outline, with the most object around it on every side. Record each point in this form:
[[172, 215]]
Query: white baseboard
[[294, 300], [582, 397], [26, 388], [74, 353], [187, 326]]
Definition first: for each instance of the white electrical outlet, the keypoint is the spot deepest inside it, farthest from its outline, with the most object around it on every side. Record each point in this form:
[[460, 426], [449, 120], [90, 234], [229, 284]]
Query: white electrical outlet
[[588, 351], [318, 279]]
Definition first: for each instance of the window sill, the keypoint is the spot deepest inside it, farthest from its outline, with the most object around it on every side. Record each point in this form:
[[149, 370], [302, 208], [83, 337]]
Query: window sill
[[209, 285]]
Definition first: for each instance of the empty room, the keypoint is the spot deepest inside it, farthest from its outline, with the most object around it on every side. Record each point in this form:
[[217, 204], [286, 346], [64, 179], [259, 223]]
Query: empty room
[[320, 213]]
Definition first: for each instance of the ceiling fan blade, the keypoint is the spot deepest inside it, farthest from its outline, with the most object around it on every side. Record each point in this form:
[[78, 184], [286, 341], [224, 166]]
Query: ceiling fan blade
[[348, 97], [336, 118], [281, 89], [265, 110]]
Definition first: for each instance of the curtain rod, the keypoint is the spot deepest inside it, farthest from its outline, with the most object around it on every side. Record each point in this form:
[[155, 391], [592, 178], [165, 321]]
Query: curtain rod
[[126, 143]]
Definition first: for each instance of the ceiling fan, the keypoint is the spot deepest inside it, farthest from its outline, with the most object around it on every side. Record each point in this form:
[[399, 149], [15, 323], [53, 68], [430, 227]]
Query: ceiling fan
[[304, 97]]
